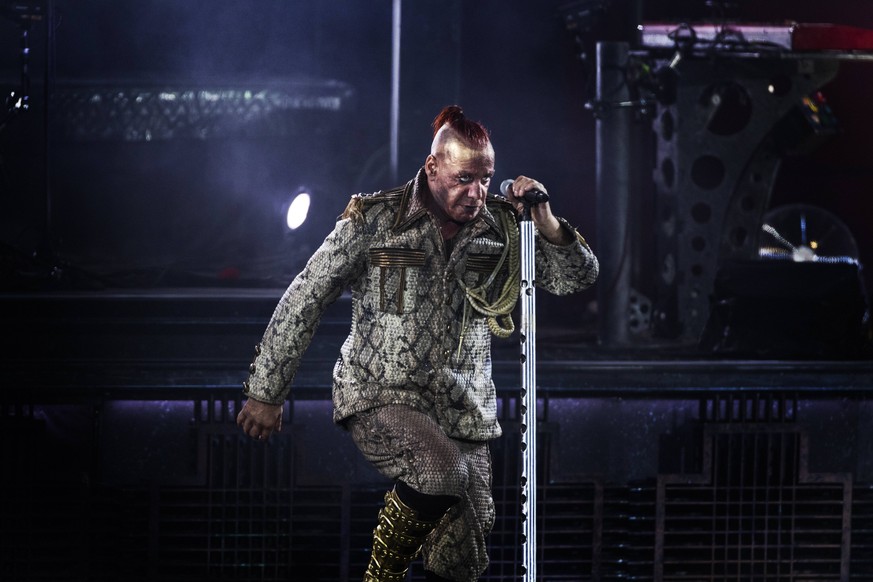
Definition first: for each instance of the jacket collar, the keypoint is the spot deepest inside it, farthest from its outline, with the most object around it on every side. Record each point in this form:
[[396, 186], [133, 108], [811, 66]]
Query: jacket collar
[[413, 206]]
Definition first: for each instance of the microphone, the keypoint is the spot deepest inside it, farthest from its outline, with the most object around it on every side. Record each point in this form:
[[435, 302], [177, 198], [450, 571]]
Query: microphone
[[530, 196]]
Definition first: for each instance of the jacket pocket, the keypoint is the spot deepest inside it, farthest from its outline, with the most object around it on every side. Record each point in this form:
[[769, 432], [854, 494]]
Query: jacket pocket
[[479, 267], [394, 267]]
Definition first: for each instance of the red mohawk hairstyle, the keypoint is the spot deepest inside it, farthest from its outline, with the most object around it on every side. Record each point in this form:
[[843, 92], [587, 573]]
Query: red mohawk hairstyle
[[472, 131]]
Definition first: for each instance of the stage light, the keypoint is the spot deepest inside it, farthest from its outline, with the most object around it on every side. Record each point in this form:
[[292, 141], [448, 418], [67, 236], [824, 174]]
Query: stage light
[[298, 210], [806, 233]]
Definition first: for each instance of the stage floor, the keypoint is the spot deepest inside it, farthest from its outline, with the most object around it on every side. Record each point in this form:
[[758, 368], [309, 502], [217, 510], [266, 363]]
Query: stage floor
[[656, 461]]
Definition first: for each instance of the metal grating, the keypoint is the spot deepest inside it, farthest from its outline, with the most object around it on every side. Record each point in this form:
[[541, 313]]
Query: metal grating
[[747, 507], [252, 520], [628, 533], [754, 511], [567, 532], [862, 534], [364, 505], [149, 113], [569, 515]]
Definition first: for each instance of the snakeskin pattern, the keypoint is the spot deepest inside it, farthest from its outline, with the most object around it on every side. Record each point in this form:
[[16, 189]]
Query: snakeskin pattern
[[412, 341], [407, 445]]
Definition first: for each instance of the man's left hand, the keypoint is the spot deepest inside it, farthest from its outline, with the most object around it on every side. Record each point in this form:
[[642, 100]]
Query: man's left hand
[[541, 214]]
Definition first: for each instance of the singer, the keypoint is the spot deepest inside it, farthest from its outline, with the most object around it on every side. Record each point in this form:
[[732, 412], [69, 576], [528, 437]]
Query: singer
[[433, 271]]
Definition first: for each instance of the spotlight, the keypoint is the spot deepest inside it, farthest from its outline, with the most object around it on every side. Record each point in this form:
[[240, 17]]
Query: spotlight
[[806, 233], [298, 209]]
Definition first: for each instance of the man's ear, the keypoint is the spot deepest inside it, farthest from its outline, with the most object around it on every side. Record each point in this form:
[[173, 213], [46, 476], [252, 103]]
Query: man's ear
[[430, 165]]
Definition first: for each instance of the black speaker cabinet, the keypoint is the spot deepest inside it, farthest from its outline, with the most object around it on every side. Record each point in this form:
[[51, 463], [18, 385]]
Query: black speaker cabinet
[[786, 309]]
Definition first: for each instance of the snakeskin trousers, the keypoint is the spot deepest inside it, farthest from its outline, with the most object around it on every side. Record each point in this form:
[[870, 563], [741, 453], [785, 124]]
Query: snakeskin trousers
[[407, 445]]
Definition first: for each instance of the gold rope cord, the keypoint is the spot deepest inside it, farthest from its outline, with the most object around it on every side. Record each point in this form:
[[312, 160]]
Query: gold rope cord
[[499, 313]]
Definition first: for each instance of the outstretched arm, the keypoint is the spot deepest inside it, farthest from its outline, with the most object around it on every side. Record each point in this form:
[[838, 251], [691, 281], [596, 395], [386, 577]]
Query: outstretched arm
[[292, 326]]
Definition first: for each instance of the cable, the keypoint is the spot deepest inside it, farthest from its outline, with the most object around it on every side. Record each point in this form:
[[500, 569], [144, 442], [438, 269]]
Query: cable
[[499, 312]]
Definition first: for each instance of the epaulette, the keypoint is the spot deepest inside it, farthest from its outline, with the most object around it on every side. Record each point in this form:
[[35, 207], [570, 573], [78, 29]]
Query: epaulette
[[497, 199], [359, 202], [499, 204]]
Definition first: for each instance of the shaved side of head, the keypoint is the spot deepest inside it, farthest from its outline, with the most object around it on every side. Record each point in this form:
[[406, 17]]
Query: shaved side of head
[[453, 131]]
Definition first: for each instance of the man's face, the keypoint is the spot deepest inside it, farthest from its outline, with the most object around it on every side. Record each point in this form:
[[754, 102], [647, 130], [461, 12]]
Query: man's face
[[459, 178]]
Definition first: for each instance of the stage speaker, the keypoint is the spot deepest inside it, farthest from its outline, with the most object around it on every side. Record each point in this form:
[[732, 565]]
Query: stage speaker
[[788, 309]]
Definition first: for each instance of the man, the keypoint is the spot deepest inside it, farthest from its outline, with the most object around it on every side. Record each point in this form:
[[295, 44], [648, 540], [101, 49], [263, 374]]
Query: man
[[433, 272]]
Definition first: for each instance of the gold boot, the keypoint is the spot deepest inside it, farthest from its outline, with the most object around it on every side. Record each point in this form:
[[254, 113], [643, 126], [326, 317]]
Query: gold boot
[[397, 541]]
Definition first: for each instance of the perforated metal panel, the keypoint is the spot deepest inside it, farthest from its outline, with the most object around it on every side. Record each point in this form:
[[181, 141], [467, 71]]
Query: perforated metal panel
[[719, 146]]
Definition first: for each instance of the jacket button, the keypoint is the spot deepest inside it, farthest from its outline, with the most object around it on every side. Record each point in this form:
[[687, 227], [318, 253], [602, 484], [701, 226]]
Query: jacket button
[[252, 368]]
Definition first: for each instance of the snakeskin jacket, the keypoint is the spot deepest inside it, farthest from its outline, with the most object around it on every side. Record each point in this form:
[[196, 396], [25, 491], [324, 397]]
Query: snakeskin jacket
[[414, 338]]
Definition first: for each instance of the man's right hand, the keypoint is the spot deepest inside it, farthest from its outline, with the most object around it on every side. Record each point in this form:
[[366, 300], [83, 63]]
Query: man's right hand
[[259, 420]]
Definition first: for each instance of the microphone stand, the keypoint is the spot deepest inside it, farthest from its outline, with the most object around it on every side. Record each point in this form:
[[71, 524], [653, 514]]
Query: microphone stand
[[528, 394]]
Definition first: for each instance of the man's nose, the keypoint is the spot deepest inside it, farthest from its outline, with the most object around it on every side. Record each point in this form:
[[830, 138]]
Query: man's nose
[[477, 190]]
